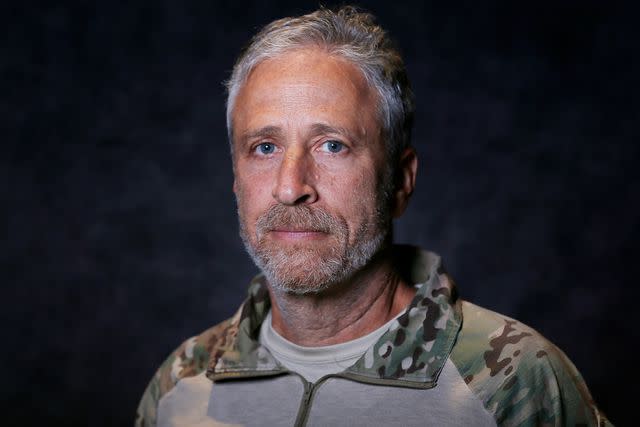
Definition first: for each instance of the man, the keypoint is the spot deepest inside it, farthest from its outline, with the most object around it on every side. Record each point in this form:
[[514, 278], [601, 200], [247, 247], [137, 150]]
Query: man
[[342, 327]]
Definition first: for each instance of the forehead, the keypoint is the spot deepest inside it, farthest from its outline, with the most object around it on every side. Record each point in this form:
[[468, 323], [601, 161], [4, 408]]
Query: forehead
[[305, 85]]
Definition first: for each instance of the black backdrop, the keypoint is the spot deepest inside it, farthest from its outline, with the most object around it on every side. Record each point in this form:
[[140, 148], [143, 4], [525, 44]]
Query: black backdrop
[[121, 235]]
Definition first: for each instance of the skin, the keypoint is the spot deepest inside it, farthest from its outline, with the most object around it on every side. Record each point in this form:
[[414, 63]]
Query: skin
[[306, 132]]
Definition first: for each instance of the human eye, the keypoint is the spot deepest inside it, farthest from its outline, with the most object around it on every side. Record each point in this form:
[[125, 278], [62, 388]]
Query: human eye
[[332, 146], [265, 148]]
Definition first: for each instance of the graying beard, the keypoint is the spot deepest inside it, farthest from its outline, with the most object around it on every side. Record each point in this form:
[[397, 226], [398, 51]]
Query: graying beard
[[333, 269], [336, 268]]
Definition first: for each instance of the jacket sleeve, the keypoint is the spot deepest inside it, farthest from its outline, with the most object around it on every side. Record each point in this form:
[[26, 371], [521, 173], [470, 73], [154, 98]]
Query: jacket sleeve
[[522, 379], [189, 359], [161, 383], [572, 403], [547, 389]]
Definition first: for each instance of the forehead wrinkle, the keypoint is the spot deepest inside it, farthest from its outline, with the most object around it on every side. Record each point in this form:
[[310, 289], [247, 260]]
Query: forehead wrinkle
[[289, 64]]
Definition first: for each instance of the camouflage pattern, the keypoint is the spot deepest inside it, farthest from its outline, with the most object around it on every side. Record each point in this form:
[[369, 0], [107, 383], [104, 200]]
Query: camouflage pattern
[[416, 346], [245, 355], [190, 359], [520, 377]]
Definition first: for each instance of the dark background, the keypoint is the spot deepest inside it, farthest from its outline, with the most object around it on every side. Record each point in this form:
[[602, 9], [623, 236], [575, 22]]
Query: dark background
[[121, 236]]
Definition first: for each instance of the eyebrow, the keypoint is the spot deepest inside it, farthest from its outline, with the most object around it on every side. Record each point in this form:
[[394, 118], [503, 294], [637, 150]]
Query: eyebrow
[[316, 129], [267, 131], [321, 128]]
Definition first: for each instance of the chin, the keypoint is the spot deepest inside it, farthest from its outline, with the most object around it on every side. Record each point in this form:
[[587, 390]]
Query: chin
[[301, 272], [312, 272], [301, 289]]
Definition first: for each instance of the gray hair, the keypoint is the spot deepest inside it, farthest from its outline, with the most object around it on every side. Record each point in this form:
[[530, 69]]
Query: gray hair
[[351, 35]]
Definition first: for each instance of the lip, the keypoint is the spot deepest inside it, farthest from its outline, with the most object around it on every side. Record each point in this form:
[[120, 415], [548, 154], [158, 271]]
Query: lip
[[297, 235]]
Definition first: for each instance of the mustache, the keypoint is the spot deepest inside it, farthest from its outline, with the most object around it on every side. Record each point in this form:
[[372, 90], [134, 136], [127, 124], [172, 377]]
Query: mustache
[[299, 217]]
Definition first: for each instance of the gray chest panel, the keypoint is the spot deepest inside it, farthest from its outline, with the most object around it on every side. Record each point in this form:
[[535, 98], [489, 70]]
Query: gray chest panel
[[276, 401], [339, 402], [257, 402]]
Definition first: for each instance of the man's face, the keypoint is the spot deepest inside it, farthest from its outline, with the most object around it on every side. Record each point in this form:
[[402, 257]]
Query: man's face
[[310, 170]]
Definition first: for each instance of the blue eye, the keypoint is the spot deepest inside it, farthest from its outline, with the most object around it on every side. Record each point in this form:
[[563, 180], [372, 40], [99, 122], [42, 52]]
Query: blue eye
[[333, 146], [265, 148]]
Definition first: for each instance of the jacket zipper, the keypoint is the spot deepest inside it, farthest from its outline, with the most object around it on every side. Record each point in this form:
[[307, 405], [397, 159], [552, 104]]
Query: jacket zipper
[[303, 412], [307, 396], [310, 388]]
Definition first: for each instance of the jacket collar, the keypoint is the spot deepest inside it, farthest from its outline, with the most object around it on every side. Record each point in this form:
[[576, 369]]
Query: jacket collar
[[411, 353]]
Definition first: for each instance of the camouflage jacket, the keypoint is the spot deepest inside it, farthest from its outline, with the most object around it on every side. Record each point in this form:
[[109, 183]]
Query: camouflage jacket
[[444, 361]]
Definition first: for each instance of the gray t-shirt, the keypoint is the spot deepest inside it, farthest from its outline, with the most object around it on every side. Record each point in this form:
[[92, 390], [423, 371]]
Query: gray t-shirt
[[315, 362]]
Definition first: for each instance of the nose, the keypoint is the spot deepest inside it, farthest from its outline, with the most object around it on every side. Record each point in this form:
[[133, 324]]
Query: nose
[[294, 184]]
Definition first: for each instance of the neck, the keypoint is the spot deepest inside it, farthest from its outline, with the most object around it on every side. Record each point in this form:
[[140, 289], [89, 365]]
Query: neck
[[348, 311]]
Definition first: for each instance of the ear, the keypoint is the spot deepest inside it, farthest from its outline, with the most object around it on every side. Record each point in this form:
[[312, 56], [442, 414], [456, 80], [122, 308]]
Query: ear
[[405, 181], [234, 187]]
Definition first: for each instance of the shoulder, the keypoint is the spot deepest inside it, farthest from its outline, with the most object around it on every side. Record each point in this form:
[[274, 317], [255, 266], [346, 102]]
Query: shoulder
[[491, 347], [521, 377], [189, 359]]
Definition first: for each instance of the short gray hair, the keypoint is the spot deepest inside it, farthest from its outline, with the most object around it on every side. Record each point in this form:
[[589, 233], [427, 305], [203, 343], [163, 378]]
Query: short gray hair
[[351, 35]]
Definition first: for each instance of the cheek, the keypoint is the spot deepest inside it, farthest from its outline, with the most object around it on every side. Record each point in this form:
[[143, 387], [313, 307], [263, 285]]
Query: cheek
[[355, 195], [255, 179], [253, 198]]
